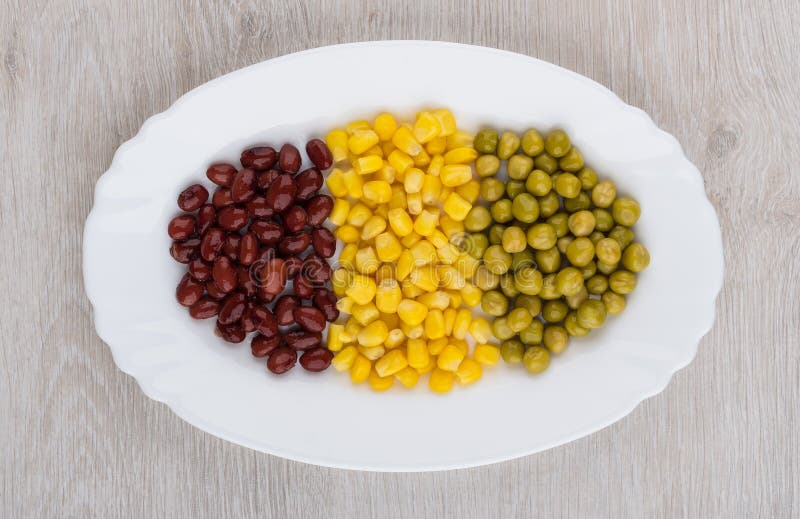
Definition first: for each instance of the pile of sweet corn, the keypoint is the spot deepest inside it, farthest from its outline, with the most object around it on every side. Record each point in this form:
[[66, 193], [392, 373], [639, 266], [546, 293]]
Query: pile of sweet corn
[[401, 193]]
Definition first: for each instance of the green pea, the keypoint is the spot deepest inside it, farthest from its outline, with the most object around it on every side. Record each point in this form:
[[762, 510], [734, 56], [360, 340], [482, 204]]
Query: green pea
[[603, 194], [596, 236], [512, 351], [525, 208], [485, 279], [549, 289], [501, 211], [588, 178], [636, 257], [603, 220], [580, 202], [532, 334], [615, 303], [623, 235], [597, 284], [523, 258], [555, 338], [532, 143], [487, 165], [554, 311], [530, 302], [514, 240], [496, 234], [542, 236], [548, 204], [508, 286], [528, 281], [492, 189], [494, 303], [496, 259], [514, 188], [626, 211], [591, 314], [622, 282], [501, 329], [589, 270], [538, 183], [559, 222], [485, 141], [477, 219], [557, 143], [608, 250], [572, 161], [519, 319], [507, 145], [575, 300], [519, 166], [569, 281], [548, 260], [580, 252], [563, 243], [546, 163], [567, 185], [536, 359], [475, 245], [581, 223], [573, 328], [606, 268]]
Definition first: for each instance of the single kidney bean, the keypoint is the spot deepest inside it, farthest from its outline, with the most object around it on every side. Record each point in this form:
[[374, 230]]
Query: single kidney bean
[[294, 218], [281, 193], [213, 290], [319, 153], [233, 308], [316, 359], [316, 269], [260, 346], [303, 286], [302, 340], [248, 321], [189, 291], [184, 251], [259, 313], [273, 276], [265, 178], [182, 226], [294, 243], [199, 269], [192, 198], [310, 318], [224, 274], [294, 264], [244, 186], [230, 332], [284, 308], [323, 241], [206, 217], [325, 300], [257, 207], [259, 158], [231, 247], [212, 243], [204, 308], [248, 248], [263, 296], [318, 209], [222, 197], [289, 158], [281, 360], [246, 282], [221, 174], [266, 324], [308, 183], [232, 217], [267, 231]]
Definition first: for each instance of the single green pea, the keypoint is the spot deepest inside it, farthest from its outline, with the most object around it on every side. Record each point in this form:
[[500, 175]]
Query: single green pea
[[555, 338], [554, 311], [507, 285], [538, 183], [525, 208], [636, 257], [512, 351], [475, 245], [546, 163], [494, 303], [626, 211], [514, 240], [575, 301], [496, 234], [549, 289], [548, 204], [606, 268], [567, 185], [557, 143], [596, 236], [623, 235], [622, 282], [542, 236], [592, 314], [603, 220], [529, 302], [519, 166], [597, 284], [485, 141], [603, 194], [536, 360], [573, 328], [572, 161], [614, 302], [564, 242], [514, 188], [478, 218], [581, 223], [507, 145], [485, 279], [580, 252], [532, 143], [589, 270], [532, 334], [608, 250], [588, 178], [492, 189], [501, 211], [523, 258], [501, 329], [487, 165], [528, 281], [569, 281], [559, 222], [548, 260], [519, 319], [496, 259], [579, 203]]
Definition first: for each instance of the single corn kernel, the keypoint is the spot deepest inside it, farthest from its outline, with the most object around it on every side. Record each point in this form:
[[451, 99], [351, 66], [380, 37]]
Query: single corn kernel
[[451, 278], [347, 233], [413, 180], [422, 160], [373, 334], [410, 290], [373, 227], [365, 314], [335, 183], [449, 320], [469, 371], [412, 332], [470, 191], [453, 175], [372, 352], [385, 125], [471, 295], [368, 164], [335, 336], [396, 338], [430, 366], [375, 150], [450, 227], [337, 143], [448, 253], [388, 296], [481, 330], [387, 148], [347, 257], [363, 289], [359, 370], [391, 320], [387, 246], [436, 346], [341, 208], [425, 222], [366, 260], [362, 140], [405, 264], [398, 200], [431, 188], [466, 265], [407, 376], [436, 146], [424, 253], [351, 328], [406, 142], [434, 324], [387, 173], [411, 239], [354, 184], [354, 126], [435, 167], [359, 214], [382, 210], [412, 312], [487, 354], [459, 139], [391, 363], [345, 304], [418, 356], [340, 280], [441, 381], [446, 121], [385, 273], [379, 383], [455, 299], [425, 278], [414, 202], [438, 238], [444, 194], [345, 358], [377, 191], [461, 345], [461, 324], [456, 207], [400, 222], [400, 161], [435, 300], [426, 127], [460, 156]]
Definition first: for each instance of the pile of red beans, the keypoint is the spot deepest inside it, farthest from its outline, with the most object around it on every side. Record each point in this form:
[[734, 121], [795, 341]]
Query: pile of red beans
[[249, 244]]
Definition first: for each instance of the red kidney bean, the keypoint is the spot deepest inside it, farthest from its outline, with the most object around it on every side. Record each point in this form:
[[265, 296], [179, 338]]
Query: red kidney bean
[[310, 318], [281, 360], [244, 186], [233, 308], [267, 231], [302, 286], [199, 269], [308, 183], [294, 264], [281, 193], [204, 308], [294, 218], [260, 346], [192, 198], [266, 178], [294, 243], [284, 308], [221, 174], [232, 217], [273, 277], [189, 291], [316, 359], [182, 226], [231, 247], [224, 274], [325, 300], [206, 217], [263, 296], [319, 154], [248, 321], [232, 332], [259, 158], [302, 340], [213, 290], [316, 269], [257, 207], [266, 324], [318, 209], [222, 197], [184, 251], [259, 313], [248, 248], [212, 243], [289, 158], [246, 282], [323, 241]]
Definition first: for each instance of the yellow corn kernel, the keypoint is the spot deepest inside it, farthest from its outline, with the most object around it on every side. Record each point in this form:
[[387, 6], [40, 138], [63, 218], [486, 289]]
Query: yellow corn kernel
[[387, 148], [466, 265], [385, 125], [373, 334], [391, 363], [354, 184], [431, 188], [345, 304], [459, 139], [456, 207], [388, 296], [434, 324], [391, 320], [444, 194], [455, 298], [410, 290], [460, 156], [406, 142], [375, 150], [425, 278], [405, 264], [337, 143], [449, 320], [448, 253], [347, 233], [398, 200], [372, 352], [348, 255], [428, 367], [396, 338], [471, 295], [400, 161], [352, 327], [377, 191], [422, 160], [410, 240], [436, 146], [426, 127], [366, 260], [417, 353], [451, 278], [365, 314], [407, 376], [414, 201], [481, 330], [423, 252], [340, 280], [441, 381], [335, 336], [412, 182], [437, 238], [382, 210], [487, 354], [453, 175], [435, 346], [470, 191], [362, 290], [379, 383], [345, 358], [412, 332], [373, 227], [387, 246], [446, 121], [354, 126], [359, 214], [450, 227], [360, 368], [335, 183], [362, 140], [469, 371], [435, 167], [400, 222], [461, 345], [461, 324], [367, 164], [426, 222], [412, 312], [385, 273], [387, 173], [341, 208], [435, 300]]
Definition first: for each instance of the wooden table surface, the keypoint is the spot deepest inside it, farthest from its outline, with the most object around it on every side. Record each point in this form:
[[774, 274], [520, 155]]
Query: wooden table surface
[[79, 439]]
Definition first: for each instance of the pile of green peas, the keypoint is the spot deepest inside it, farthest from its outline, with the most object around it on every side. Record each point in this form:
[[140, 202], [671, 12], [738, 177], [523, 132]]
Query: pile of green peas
[[558, 253]]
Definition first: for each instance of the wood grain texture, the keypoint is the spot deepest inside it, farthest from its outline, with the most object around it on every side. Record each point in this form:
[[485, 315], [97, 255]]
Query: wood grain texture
[[79, 439]]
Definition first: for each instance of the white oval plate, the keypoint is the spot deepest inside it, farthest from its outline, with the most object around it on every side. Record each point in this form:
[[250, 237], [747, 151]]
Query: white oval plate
[[322, 418]]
